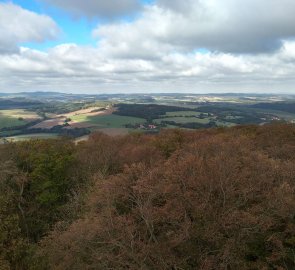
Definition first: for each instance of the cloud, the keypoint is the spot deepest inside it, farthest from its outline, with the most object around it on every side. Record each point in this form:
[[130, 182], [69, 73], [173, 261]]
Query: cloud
[[97, 8], [18, 25], [250, 46], [73, 68], [234, 26]]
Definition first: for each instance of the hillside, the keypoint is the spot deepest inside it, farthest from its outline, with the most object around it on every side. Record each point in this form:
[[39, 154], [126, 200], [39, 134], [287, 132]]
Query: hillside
[[220, 198], [47, 114]]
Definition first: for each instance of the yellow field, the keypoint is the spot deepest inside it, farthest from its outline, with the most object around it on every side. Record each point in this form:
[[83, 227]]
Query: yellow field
[[16, 117]]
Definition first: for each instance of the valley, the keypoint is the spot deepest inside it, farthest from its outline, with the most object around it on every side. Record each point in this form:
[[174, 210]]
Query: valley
[[42, 115]]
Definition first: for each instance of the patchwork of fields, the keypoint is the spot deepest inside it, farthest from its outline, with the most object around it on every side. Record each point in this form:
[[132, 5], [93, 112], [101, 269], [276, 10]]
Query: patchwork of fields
[[107, 121], [77, 118], [185, 117], [92, 119]]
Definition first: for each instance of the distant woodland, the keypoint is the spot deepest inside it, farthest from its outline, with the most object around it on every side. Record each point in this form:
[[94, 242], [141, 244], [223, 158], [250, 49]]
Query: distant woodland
[[280, 106], [146, 111], [221, 198]]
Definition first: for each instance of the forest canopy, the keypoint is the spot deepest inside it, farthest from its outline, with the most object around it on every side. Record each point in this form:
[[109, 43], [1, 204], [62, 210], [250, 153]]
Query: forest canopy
[[222, 198]]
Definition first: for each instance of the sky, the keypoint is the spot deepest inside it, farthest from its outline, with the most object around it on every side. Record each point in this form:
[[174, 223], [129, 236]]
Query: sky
[[146, 46]]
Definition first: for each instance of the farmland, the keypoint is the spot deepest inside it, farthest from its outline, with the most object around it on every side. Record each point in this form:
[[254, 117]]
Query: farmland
[[182, 114], [181, 120], [7, 121], [79, 115], [93, 119], [107, 121], [32, 136], [16, 117]]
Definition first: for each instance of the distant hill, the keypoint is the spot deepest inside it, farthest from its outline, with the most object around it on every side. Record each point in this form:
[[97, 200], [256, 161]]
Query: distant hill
[[17, 103], [277, 106]]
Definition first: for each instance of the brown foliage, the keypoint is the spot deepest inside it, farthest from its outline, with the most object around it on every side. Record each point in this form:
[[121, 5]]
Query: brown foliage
[[212, 199]]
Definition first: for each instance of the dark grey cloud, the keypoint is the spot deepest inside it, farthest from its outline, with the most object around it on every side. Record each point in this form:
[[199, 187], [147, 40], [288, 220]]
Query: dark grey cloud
[[178, 5], [97, 8]]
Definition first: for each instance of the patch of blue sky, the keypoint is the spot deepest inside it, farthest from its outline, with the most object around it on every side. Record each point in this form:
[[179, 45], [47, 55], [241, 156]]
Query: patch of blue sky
[[31, 5], [78, 32], [148, 2], [201, 51], [73, 30]]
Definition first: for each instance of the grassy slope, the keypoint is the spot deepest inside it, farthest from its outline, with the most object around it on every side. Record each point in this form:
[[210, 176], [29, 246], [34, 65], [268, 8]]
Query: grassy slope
[[10, 118], [32, 136], [182, 113], [184, 120], [108, 121], [180, 117], [10, 122]]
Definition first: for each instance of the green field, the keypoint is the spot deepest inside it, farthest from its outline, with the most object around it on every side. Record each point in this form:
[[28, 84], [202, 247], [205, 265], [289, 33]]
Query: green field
[[6, 122], [16, 117], [9, 133], [108, 121], [183, 120], [182, 114], [32, 136]]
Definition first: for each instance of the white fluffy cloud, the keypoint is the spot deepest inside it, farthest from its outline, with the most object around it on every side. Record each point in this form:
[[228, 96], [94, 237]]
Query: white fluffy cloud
[[19, 25], [73, 68], [250, 47], [97, 8], [234, 26]]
